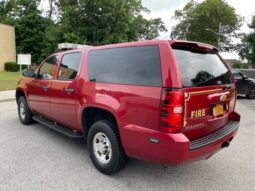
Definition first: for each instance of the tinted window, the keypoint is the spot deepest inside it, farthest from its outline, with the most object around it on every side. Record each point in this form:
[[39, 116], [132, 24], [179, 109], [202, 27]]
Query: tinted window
[[131, 65], [69, 66], [47, 69], [200, 68]]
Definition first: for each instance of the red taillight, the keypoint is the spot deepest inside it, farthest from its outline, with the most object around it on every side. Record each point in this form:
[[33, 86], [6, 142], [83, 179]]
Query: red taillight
[[171, 110]]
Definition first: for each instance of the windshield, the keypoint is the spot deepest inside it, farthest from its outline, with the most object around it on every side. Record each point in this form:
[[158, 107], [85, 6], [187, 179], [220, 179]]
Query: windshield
[[199, 68]]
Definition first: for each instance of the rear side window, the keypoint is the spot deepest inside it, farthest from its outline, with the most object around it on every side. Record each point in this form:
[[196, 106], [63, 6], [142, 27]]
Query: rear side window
[[199, 68], [69, 66], [129, 65]]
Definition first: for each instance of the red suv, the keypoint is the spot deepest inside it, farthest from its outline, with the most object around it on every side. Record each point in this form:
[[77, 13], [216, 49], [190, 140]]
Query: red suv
[[167, 102]]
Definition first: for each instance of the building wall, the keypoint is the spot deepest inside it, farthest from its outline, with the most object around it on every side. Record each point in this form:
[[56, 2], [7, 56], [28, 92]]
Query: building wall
[[7, 45]]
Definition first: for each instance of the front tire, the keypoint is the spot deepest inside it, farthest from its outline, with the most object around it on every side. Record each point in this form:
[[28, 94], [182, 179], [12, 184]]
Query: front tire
[[105, 149], [251, 94], [25, 115]]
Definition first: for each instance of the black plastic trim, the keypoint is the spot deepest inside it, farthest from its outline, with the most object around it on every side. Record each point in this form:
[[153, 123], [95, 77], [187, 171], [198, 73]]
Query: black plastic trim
[[229, 128], [57, 127]]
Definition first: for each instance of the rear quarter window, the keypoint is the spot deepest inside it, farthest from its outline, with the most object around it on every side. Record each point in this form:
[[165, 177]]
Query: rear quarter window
[[200, 68], [128, 65]]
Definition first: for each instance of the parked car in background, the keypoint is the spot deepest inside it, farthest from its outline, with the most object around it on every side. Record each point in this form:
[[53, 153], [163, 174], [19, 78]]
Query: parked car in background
[[245, 85], [167, 102]]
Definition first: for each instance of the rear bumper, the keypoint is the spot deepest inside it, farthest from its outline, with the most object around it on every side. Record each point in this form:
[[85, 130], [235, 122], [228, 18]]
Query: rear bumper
[[174, 149], [229, 128]]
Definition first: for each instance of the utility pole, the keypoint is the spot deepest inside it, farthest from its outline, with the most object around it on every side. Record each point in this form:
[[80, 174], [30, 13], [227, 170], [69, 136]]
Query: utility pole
[[219, 34]]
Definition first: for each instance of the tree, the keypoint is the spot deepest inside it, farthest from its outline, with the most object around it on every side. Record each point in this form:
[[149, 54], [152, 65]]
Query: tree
[[92, 22], [29, 25], [6, 7], [237, 64], [106, 21], [30, 28], [142, 28], [247, 47], [219, 18]]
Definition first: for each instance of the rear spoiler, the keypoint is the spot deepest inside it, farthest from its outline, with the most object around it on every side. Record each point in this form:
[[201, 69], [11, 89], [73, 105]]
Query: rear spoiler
[[194, 46]]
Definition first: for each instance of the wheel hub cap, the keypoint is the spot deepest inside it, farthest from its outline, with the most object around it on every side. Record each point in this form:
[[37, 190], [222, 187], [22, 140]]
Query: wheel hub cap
[[22, 110], [102, 148]]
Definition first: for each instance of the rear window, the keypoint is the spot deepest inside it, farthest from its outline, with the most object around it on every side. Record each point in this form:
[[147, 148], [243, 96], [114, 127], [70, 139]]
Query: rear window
[[200, 68], [128, 65]]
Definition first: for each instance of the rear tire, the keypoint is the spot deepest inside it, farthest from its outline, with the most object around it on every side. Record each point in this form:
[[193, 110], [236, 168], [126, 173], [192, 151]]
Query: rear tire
[[25, 115], [105, 149]]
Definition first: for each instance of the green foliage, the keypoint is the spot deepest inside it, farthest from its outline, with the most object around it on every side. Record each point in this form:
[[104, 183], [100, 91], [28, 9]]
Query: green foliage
[[195, 18], [6, 7], [247, 47], [237, 64], [92, 22], [29, 25], [142, 29], [98, 22], [11, 67], [8, 80], [30, 28]]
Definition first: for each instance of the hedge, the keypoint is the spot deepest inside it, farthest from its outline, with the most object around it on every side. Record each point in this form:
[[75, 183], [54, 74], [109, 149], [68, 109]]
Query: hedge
[[11, 67]]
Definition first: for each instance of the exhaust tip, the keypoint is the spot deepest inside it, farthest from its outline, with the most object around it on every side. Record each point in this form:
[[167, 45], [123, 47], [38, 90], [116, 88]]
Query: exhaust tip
[[226, 143]]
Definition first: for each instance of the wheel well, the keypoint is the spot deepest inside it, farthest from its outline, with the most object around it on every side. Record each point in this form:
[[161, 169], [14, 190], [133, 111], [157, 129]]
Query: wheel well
[[19, 93], [93, 114]]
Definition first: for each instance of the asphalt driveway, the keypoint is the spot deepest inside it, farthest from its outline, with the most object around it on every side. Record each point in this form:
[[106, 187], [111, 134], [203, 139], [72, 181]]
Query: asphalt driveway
[[36, 158]]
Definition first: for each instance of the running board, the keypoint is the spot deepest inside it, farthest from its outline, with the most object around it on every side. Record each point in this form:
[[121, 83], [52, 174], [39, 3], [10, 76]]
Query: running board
[[57, 127]]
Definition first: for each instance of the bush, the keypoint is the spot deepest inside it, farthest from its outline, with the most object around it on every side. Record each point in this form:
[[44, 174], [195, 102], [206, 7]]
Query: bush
[[11, 67], [237, 64]]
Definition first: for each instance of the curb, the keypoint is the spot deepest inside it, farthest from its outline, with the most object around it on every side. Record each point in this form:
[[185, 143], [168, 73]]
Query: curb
[[7, 100], [7, 95]]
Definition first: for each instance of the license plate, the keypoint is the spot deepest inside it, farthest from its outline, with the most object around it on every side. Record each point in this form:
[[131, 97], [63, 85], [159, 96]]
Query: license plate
[[218, 110]]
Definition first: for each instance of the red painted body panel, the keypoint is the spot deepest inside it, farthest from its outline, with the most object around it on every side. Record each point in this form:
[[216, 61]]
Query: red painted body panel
[[206, 98], [64, 105], [130, 104], [172, 150], [136, 108]]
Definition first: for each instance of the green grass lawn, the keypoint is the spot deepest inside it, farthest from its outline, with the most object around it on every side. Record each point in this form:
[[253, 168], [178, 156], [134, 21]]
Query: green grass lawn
[[8, 80]]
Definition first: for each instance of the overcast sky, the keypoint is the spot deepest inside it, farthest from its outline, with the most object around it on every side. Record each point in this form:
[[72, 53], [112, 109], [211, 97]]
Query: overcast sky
[[164, 9]]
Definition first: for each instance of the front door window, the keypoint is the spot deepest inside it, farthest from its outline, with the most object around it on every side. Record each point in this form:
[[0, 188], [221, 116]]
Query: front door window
[[46, 71]]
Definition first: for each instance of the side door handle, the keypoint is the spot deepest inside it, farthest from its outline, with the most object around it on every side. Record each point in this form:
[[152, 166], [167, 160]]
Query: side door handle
[[69, 90], [45, 88]]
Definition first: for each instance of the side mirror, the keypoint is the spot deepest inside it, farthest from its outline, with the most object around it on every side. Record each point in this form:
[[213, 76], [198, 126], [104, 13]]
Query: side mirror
[[244, 77], [28, 73]]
